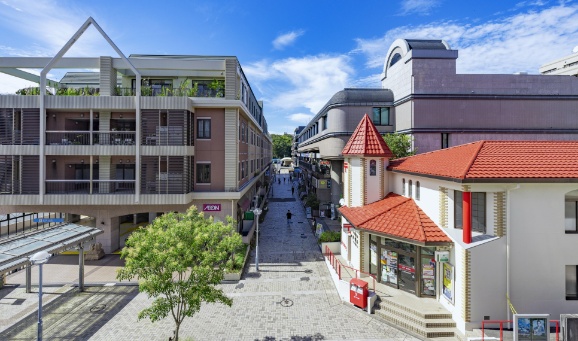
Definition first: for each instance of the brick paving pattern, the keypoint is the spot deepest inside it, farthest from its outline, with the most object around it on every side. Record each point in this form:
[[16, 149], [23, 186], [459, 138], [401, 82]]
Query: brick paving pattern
[[292, 297]]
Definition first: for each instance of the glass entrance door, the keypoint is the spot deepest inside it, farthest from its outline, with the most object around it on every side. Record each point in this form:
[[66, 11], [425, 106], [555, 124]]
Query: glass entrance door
[[406, 270]]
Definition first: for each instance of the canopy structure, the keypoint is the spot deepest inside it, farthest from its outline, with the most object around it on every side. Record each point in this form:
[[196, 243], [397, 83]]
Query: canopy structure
[[15, 252]]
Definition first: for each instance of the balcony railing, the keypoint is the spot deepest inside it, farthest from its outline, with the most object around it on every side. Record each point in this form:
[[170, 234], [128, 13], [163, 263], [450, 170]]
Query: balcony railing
[[90, 187], [120, 91], [85, 138]]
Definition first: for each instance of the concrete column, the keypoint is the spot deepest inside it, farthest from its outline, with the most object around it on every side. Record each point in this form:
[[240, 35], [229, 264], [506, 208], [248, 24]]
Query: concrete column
[[110, 238], [80, 268], [336, 181], [29, 278], [152, 216]]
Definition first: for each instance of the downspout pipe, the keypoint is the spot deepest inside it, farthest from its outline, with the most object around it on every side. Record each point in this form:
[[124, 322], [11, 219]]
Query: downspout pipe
[[508, 266]]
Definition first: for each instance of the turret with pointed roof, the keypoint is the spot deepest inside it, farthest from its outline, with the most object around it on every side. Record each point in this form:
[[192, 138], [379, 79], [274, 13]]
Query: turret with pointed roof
[[366, 141], [366, 157]]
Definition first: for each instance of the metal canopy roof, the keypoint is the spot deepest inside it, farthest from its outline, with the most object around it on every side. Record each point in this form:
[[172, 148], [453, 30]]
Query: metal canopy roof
[[15, 252]]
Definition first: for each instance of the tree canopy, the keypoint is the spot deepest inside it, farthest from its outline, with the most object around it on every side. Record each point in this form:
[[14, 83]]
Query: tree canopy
[[281, 145], [399, 144], [179, 259]]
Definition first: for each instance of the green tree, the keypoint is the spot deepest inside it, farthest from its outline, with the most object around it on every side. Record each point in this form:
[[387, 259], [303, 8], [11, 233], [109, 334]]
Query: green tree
[[399, 144], [179, 259], [281, 145]]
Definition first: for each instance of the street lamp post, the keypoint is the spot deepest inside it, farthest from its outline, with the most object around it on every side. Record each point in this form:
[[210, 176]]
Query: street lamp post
[[257, 212], [40, 258]]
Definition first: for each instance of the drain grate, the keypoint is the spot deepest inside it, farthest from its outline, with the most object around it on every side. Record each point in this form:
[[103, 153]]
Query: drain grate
[[285, 302], [308, 271], [239, 286], [18, 301], [97, 308], [304, 279]]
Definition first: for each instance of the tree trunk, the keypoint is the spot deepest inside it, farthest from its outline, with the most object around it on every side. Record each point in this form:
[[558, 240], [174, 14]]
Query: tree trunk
[[176, 338]]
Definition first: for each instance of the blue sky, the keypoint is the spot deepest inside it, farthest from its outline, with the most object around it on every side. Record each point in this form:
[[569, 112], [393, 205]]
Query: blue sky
[[297, 54]]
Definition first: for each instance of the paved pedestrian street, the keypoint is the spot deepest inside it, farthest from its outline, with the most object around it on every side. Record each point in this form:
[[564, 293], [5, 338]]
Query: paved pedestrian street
[[292, 297]]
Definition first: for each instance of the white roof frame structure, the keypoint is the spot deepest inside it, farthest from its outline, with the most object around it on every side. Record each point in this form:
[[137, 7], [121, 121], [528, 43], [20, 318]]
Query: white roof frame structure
[[50, 65]]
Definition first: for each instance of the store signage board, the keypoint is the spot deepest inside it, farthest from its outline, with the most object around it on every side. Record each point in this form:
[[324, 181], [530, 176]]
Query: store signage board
[[442, 256], [531, 327], [211, 207], [48, 220]]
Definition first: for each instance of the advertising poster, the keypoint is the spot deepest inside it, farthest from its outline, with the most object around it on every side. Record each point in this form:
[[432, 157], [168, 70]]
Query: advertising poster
[[373, 252], [389, 272], [448, 282], [531, 327], [428, 278]]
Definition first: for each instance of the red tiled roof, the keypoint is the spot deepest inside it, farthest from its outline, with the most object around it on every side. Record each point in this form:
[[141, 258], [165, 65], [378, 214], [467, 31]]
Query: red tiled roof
[[397, 216], [497, 160], [366, 141]]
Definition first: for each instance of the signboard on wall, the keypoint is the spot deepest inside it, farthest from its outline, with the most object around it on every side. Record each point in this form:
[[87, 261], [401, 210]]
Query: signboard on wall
[[448, 281], [211, 207]]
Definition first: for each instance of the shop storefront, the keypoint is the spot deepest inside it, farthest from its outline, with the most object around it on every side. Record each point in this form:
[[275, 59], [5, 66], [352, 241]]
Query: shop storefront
[[402, 265]]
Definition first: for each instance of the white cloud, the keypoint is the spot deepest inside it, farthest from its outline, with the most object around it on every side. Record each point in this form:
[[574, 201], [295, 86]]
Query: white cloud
[[300, 118], [422, 7], [520, 42], [50, 24], [307, 82], [9, 84], [286, 39]]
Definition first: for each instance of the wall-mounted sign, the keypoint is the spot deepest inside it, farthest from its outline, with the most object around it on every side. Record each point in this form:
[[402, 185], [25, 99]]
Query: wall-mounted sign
[[211, 207], [442, 256], [48, 220], [345, 166]]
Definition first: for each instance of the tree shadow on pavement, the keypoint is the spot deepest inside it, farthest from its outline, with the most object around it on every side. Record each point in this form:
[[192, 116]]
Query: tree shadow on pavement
[[74, 315], [314, 337]]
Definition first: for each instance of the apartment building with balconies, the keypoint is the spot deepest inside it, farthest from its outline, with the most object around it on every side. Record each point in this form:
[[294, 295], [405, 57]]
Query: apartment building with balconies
[[141, 135]]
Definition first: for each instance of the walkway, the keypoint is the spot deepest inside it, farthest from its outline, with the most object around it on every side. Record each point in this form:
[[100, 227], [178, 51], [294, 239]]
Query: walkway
[[292, 297]]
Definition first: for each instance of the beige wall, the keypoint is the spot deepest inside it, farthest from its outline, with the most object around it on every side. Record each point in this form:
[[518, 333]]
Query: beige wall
[[212, 150]]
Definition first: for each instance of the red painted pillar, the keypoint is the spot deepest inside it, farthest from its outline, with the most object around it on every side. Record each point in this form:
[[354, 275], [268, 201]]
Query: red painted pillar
[[467, 217]]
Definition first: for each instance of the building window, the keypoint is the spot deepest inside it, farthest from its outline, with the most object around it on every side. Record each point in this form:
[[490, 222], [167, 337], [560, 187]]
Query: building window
[[372, 167], [403, 187], [478, 211], [445, 140], [324, 122], [409, 189], [203, 128], [203, 173], [571, 283], [417, 190], [381, 116], [570, 217]]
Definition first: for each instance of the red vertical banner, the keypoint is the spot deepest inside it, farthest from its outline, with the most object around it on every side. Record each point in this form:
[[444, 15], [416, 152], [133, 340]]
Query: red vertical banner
[[467, 217]]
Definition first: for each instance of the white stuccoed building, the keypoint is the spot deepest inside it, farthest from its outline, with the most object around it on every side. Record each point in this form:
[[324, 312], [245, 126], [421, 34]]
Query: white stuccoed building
[[469, 226]]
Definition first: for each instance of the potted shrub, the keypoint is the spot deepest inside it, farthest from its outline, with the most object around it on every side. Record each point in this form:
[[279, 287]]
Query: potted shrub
[[313, 202]]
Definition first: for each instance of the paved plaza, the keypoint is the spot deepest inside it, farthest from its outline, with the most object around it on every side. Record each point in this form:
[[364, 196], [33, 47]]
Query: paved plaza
[[292, 297]]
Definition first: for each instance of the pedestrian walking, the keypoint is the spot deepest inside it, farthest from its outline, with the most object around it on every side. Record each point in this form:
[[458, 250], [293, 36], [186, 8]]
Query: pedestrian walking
[[292, 190], [289, 214], [279, 180], [284, 180]]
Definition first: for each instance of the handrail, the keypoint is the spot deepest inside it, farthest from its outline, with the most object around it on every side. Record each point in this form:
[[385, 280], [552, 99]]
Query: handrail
[[334, 261]]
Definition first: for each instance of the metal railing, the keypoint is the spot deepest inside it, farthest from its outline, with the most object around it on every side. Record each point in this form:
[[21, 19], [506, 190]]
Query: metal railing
[[170, 92], [87, 138], [337, 265], [502, 322], [90, 186]]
